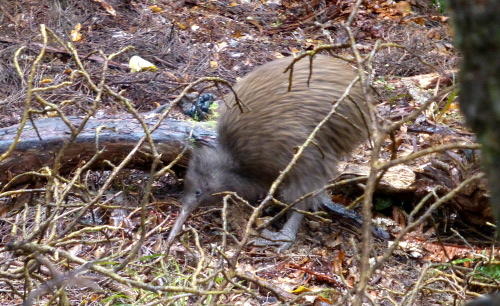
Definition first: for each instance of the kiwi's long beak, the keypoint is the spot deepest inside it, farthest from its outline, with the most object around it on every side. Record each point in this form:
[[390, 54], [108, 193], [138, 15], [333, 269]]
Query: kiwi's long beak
[[183, 215]]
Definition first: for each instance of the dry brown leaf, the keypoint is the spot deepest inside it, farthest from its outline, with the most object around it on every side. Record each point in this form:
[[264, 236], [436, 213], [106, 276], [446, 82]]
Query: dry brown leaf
[[438, 252], [440, 18], [75, 33], [337, 263], [107, 7], [418, 20], [403, 7], [156, 9], [182, 25]]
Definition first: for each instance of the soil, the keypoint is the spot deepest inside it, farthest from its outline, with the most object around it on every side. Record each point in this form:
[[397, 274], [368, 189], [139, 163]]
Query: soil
[[186, 40]]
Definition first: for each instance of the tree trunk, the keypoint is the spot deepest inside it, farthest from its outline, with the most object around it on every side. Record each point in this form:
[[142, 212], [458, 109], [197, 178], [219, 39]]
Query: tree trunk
[[478, 37]]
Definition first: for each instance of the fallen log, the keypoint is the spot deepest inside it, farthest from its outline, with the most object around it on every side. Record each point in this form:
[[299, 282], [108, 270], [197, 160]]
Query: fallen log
[[117, 136]]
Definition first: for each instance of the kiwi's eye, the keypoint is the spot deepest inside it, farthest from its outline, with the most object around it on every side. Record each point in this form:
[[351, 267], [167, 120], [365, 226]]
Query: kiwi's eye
[[197, 192]]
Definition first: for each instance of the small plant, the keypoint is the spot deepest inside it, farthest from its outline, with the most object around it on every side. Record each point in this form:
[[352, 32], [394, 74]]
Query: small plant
[[440, 5]]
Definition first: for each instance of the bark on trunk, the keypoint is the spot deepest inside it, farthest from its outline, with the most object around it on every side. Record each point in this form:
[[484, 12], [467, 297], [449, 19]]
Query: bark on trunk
[[478, 37]]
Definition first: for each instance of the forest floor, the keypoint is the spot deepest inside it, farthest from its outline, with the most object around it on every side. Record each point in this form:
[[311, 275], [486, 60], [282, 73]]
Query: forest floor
[[445, 260]]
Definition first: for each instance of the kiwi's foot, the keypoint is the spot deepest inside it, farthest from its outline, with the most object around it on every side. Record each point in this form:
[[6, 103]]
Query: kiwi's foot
[[283, 240]]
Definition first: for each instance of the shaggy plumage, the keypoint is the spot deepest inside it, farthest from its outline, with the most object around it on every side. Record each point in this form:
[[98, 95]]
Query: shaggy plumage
[[254, 146]]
